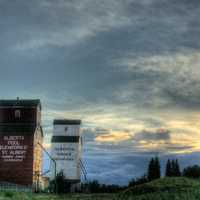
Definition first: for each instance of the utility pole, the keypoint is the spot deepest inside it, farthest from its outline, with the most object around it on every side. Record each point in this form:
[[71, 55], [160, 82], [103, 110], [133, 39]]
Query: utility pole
[[54, 161]]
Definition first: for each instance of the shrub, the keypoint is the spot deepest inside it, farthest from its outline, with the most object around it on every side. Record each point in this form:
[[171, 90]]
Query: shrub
[[9, 194], [193, 171]]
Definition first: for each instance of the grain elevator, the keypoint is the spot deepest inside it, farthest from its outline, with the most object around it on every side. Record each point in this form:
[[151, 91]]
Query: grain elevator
[[66, 145], [20, 132]]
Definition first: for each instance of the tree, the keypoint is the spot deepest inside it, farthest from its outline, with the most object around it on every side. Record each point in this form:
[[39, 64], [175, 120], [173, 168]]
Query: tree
[[177, 168], [138, 181], [192, 171], [62, 186], [172, 168], [157, 168], [60, 180], [168, 168], [153, 169], [94, 186]]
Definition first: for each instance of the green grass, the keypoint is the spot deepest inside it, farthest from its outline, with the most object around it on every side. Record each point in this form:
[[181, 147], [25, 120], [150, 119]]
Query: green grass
[[164, 189], [30, 196]]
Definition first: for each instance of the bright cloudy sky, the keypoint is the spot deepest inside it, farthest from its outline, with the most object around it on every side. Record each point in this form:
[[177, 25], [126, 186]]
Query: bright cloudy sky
[[129, 69]]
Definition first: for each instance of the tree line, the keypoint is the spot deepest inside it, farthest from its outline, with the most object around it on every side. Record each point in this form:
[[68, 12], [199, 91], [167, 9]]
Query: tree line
[[172, 169], [63, 186]]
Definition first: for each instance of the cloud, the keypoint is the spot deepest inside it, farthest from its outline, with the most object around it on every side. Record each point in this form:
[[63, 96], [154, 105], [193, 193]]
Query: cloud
[[86, 21], [153, 136], [114, 136], [174, 79]]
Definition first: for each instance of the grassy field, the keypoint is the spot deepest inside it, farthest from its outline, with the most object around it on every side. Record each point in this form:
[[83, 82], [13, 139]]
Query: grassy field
[[29, 196], [165, 189], [162, 189]]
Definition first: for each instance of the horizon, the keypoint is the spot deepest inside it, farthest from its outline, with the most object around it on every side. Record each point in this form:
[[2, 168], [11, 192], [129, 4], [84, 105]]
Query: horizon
[[128, 69]]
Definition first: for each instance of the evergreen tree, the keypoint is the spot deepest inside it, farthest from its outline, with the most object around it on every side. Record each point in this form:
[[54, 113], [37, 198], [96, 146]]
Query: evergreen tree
[[168, 168], [177, 168], [172, 168], [153, 169], [173, 172], [157, 168]]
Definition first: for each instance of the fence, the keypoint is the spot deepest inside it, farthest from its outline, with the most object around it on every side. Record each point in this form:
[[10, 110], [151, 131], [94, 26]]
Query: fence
[[6, 186]]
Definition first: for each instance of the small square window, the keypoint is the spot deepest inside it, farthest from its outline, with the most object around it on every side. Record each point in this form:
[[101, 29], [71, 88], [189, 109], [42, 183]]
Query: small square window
[[17, 114]]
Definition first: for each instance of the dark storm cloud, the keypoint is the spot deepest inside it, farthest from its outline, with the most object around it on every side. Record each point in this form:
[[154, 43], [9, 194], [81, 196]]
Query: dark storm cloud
[[68, 46], [188, 98]]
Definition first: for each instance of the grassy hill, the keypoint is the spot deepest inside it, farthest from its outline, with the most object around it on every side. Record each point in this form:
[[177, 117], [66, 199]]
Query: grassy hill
[[162, 189], [165, 189]]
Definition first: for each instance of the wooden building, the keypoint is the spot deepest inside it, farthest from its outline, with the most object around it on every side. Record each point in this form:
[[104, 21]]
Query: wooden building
[[20, 132]]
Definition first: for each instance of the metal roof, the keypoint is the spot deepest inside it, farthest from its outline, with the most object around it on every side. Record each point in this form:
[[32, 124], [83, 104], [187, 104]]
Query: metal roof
[[20, 102], [67, 122]]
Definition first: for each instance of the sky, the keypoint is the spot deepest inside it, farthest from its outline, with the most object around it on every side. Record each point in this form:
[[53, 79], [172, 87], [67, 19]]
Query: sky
[[128, 69]]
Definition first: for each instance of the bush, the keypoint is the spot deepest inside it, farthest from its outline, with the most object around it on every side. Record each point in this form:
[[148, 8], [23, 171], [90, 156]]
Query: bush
[[143, 179], [95, 187], [9, 194], [192, 172], [60, 185]]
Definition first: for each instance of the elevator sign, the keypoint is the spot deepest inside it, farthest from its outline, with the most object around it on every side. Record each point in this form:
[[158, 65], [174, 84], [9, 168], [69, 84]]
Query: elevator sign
[[13, 148], [61, 152]]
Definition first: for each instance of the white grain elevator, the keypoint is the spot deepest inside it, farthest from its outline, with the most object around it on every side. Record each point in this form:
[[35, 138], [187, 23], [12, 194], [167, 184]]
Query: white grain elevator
[[66, 146]]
